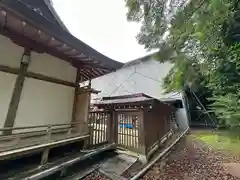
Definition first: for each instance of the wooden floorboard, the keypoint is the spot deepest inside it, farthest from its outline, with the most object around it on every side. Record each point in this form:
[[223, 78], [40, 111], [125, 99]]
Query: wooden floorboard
[[34, 143]]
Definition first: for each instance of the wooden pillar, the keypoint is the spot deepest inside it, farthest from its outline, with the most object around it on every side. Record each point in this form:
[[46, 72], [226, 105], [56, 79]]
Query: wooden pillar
[[116, 126], [112, 127], [142, 138], [141, 134], [78, 79], [15, 99], [82, 112], [44, 158], [82, 106]]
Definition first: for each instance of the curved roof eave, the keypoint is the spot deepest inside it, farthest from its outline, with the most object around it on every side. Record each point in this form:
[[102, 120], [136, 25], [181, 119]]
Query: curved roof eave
[[53, 29]]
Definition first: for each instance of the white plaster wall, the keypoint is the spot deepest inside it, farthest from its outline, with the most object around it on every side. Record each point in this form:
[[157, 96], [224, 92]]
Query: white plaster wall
[[146, 77], [44, 103], [48, 65], [7, 82], [10, 53]]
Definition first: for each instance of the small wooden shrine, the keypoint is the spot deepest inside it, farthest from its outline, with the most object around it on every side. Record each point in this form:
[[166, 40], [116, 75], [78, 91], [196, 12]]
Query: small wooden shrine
[[140, 122]]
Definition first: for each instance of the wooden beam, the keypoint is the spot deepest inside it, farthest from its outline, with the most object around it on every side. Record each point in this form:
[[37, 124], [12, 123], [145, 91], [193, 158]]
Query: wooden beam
[[98, 66], [50, 79], [9, 69], [142, 133], [78, 79], [45, 154], [84, 77], [87, 74], [32, 44], [38, 76], [13, 106]]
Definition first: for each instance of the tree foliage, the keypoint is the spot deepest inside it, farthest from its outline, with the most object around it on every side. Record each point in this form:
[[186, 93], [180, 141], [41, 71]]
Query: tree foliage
[[201, 38]]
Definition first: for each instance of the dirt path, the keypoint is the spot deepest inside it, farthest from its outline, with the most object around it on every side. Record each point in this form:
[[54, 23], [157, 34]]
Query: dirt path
[[192, 160]]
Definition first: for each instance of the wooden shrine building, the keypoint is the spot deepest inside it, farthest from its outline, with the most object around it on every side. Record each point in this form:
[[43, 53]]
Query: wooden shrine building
[[41, 66], [139, 122]]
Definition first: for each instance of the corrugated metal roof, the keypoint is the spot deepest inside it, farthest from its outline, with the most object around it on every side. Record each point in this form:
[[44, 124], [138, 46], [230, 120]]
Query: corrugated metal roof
[[128, 100], [133, 98], [139, 60]]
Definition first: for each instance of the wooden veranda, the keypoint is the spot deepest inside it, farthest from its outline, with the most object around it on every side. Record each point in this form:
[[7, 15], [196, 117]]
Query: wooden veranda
[[42, 106]]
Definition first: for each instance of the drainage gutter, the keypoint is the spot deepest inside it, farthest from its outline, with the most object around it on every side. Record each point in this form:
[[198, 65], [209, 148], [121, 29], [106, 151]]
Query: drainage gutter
[[63, 165], [146, 168]]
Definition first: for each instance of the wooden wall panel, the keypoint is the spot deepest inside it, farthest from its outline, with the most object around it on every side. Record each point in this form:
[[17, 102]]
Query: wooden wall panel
[[48, 65], [44, 103], [157, 123], [154, 126], [10, 53], [7, 82], [82, 107]]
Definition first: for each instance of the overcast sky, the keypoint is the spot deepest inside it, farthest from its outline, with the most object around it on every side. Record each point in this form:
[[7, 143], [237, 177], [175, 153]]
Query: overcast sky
[[102, 24]]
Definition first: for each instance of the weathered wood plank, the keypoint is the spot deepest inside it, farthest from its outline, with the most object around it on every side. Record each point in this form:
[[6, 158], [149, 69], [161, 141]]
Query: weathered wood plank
[[49, 79], [38, 76], [13, 106], [7, 69], [78, 79], [33, 145]]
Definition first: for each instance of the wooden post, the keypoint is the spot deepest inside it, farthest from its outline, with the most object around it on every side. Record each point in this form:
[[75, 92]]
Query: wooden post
[[45, 153], [78, 78], [44, 158], [82, 111], [141, 134], [90, 141], [111, 128], [82, 106], [115, 126], [13, 106]]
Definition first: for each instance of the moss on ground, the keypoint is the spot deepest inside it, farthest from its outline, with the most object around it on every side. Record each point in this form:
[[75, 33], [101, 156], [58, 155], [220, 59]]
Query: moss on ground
[[226, 141]]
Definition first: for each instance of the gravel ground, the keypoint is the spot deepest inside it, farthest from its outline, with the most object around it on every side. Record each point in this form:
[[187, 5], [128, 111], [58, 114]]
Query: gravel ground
[[96, 176], [192, 160]]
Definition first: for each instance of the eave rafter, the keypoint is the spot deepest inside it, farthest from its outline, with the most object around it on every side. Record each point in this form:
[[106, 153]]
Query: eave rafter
[[22, 30]]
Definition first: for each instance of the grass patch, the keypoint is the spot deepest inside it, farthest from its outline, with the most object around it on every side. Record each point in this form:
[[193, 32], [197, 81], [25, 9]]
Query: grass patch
[[226, 141]]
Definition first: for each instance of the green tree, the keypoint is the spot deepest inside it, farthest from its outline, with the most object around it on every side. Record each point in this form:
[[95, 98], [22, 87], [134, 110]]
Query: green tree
[[199, 37]]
